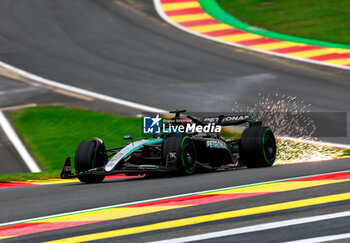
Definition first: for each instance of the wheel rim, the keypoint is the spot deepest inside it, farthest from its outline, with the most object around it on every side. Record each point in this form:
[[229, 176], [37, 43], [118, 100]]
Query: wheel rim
[[188, 157]]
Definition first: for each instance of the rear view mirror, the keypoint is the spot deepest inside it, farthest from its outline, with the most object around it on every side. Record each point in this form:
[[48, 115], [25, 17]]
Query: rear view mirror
[[129, 137]]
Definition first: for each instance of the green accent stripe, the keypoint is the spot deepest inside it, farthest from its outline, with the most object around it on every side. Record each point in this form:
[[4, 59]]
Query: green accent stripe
[[159, 140], [263, 145], [215, 10], [141, 146], [182, 159]]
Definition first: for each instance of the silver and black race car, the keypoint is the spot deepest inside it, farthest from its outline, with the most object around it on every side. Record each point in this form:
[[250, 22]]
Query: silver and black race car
[[177, 152]]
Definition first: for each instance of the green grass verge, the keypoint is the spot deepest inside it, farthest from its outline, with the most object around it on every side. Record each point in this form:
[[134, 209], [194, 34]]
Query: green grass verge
[[346, 152], [30, 176], [52, 133], [326, 20]]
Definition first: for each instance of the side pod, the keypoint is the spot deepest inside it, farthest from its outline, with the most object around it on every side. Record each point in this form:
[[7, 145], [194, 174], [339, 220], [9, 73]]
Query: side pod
[[67, 169]]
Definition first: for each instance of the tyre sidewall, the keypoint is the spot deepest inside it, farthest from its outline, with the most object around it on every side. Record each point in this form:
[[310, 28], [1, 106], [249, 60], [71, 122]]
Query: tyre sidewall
[[252, 148], [84, 161], [177, 143]]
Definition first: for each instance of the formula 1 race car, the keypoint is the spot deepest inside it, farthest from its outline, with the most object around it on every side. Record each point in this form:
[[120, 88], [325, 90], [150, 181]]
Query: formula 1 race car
[[177, 152]]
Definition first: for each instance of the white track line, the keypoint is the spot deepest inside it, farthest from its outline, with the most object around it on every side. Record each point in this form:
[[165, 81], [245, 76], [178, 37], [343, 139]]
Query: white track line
[[256, 228], [323, 238], [73, 89], [11, 134], [161, 198], [165, 17]]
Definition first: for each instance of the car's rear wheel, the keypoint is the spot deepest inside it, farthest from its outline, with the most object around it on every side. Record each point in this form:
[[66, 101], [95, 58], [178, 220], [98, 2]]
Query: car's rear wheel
[[258, 147], [85, 159], [179, 148]]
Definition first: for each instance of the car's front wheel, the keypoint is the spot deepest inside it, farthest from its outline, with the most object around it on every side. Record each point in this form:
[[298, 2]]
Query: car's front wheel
[[85, 159]]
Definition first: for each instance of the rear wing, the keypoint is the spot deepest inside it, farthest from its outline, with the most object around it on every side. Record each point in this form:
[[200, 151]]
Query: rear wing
[[222, 120], [231, 120]]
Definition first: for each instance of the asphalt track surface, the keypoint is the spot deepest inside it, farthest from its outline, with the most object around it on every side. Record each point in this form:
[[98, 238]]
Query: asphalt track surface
[[36, 201], [126, 51]]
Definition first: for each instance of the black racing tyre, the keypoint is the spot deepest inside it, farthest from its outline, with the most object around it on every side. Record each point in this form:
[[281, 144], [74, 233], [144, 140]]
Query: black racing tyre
[[258, 147], [91, 178], [84, 160], [183, 148]]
